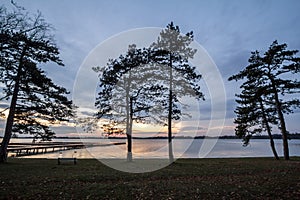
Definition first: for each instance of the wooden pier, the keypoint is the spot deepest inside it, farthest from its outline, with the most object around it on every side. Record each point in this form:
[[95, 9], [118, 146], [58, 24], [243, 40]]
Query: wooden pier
[[25, 149]]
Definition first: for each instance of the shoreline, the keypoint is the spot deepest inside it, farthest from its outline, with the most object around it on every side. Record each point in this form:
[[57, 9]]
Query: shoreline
[[275, 136], [292, 158]]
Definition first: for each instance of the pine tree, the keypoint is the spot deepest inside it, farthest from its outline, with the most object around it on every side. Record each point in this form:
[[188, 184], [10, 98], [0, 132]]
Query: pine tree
[[173, 51], [253, 113], [128, 92], [35, 101], [273, 68]]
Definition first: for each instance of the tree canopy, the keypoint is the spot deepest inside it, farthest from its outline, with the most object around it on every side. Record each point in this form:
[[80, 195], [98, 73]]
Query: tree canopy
[[35, 100]]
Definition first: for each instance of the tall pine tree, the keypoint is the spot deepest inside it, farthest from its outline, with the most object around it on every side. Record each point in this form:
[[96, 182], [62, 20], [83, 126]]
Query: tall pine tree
[[175, 54], [35, 101]]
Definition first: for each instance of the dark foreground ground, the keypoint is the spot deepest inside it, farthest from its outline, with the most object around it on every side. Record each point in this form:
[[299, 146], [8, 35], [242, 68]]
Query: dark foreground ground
[[248, 178]]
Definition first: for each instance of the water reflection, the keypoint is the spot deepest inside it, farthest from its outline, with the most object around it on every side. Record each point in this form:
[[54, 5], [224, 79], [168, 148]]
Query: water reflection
[[184, 148]]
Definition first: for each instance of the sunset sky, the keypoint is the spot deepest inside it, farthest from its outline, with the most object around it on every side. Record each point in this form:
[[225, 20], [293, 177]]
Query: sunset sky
[[227, 30]]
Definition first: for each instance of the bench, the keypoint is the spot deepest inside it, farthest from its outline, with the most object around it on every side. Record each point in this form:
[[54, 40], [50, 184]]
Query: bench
[[60, 160]]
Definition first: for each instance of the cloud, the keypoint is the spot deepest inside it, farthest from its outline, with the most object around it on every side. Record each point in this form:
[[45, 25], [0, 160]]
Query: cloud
[[231, 105], [3, 105], [64, 130], [2, 126]]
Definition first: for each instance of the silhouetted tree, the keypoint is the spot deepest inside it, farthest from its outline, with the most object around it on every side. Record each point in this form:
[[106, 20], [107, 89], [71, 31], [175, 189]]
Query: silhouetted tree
[[273, 68], [253, 113], [35, 101], [182, 79], [127, 92]]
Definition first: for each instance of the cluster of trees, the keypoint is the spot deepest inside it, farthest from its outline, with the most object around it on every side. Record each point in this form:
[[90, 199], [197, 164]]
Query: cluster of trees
[[267, 94], [145, 85], [35, 100]]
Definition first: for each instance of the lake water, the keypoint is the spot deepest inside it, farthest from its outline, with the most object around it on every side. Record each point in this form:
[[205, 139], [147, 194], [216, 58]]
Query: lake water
[[183, 148]]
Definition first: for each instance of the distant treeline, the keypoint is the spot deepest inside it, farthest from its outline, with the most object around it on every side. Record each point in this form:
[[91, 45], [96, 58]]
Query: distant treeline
[[275, 136]]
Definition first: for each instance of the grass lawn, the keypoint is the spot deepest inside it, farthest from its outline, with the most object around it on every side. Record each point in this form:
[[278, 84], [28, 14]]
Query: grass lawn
[[243, 178]]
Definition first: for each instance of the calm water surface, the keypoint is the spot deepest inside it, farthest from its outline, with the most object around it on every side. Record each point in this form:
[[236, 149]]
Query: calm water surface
[[184, 148]]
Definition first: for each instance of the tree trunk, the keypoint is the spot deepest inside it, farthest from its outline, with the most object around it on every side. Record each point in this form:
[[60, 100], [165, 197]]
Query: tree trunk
[[171, 156], [268, 130], [11, 114], [129, 120], [129, 136], [9, 124], [282, 122], [129, 147], [283, 131]]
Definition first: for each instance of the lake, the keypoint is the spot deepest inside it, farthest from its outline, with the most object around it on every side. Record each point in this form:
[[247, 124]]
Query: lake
[[183, 148]]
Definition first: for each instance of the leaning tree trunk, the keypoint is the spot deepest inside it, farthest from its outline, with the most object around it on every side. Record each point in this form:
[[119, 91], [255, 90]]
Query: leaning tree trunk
[[9, 124], [282, 122], [11, 114], [170, 109], [283, 131], [268, 130]]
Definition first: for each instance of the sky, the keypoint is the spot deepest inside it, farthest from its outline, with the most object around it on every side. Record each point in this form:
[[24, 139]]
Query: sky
[[227, 30]]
